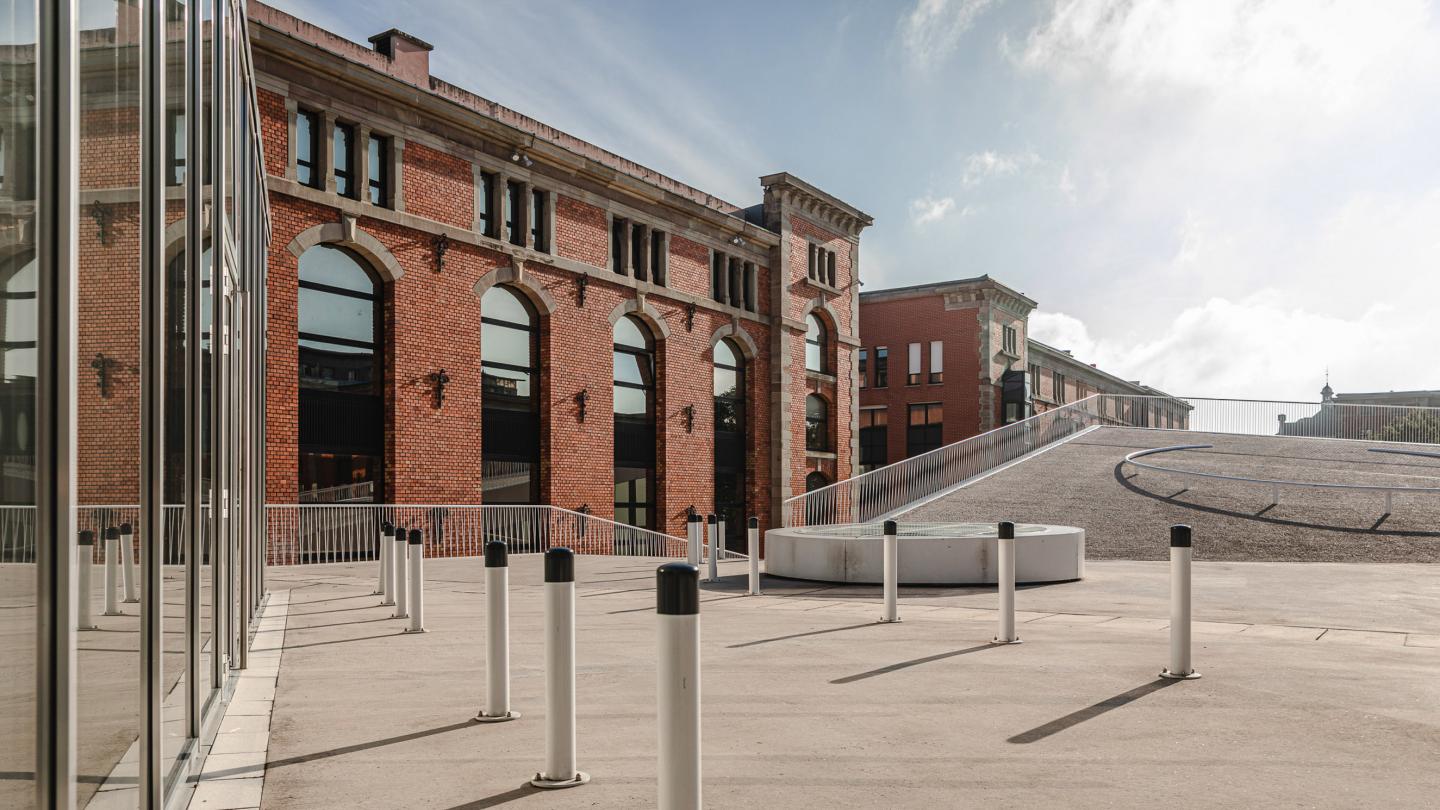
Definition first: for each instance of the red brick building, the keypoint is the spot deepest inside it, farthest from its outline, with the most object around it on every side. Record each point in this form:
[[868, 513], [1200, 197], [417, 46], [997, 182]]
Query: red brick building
[[644, 348], [945, 361]]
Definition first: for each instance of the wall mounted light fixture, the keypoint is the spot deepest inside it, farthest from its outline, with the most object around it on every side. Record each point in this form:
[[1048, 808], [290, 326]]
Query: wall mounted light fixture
[[439, 380], [580, 400], [690, 316], [689, 413], [103, 216], [581, 284], [103, 366], [737, 240], [442, 244]]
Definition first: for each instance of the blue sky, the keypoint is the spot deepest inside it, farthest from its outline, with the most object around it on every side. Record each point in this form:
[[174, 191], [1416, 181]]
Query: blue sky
[[1221, 198]]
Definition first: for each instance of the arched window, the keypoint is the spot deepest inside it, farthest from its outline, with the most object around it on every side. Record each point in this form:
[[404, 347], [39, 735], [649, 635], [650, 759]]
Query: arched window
[[816, 480], [342, 420], [18, 311], [634, 351], [817, 424], [817, 349], [729, 377], [510, 407]]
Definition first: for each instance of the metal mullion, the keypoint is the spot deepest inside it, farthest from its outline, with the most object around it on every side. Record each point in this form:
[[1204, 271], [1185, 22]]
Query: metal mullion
[[56, 214], [152, 394], [215, 149], [194, 359]]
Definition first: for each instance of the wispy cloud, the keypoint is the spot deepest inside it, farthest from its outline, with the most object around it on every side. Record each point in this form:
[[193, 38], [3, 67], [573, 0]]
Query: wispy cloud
[[982, 166], [933, 29], [928, 209]]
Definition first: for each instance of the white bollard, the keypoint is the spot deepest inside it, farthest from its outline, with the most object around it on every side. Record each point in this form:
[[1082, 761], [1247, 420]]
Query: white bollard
[[891, 573], [1180, 551], [754, 532], [127, 563], [677, 605], [415, 599], [387, 562], [497, 635], [560, 771], [85, 618], [401, 584], [693, 539], [1005, 579], [382, 558], [712, 554], [112, 572]]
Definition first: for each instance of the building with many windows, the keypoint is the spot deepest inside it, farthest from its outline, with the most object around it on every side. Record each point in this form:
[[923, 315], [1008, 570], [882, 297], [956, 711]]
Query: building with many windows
[[133, 235], [446, 275], [945, 361]]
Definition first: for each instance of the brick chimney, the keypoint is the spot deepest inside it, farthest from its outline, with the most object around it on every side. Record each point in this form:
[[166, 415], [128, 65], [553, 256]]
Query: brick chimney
[[409, 56]]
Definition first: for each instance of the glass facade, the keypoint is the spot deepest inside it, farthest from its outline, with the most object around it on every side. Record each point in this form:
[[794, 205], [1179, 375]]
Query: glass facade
[[133, 230]]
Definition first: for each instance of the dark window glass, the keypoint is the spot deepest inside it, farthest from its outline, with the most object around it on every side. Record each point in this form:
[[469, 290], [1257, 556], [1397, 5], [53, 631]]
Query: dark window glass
[[817, 423], [882, 367], [816, 480], [378, 169], [717, 276], [634, 390], [813, 252], [737, 296], [1057, 383], [510, 407], [539, 222], [816, 347], [730, 455], [637, 252], [864, 372], [657, 257], [514, 199], [874, 438], [923, 434], [618, 229], [307, 149], [345, 160], [749, 286], [830, 267], [175, 135], [487, 204]]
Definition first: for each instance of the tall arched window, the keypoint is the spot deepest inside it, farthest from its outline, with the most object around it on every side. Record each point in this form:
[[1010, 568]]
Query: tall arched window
[[730, 441], [18, 312], [634, 423], [817, 348], [510, 407], [817, 424], [342, 420]]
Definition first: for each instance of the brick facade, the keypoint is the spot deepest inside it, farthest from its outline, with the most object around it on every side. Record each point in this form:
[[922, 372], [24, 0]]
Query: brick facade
[[446, 139]]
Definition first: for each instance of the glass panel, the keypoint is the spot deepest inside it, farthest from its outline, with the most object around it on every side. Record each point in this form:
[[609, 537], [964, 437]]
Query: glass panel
[[17, 417], [335, 267], [632, 368], [376, 170], [336, 316], [630, 401], [344, 139], [725, 356], [727, 415], [812, 357], [500, 303], [304, 148], [630, 332], [813, 330], [814, 407], [504, 382], [727, 382], [504, 344]]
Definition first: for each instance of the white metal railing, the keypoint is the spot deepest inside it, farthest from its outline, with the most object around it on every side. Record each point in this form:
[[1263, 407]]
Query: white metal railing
[[1276, 484], [362, 492], [316, 533], [17, 530], [895, 487]]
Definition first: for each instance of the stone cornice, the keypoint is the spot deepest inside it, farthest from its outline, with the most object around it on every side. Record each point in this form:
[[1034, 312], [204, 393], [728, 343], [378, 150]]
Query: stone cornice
[[793, 192]]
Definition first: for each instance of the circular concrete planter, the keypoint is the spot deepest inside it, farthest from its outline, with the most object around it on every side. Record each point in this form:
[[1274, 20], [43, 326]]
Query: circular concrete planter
[[930, 553]]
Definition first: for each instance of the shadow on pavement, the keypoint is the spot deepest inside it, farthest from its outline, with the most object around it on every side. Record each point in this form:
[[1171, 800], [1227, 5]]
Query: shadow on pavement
[[1090, 712]]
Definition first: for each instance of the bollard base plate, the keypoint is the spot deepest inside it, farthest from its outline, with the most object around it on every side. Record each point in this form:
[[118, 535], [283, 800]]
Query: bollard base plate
[[482, 717], [399, 615], [541, 781], [88, 627], [883, 620], [376, 593], [116, 613], [998, 640], [414, 630], [130, 601], [1192, 675], [391, 603]]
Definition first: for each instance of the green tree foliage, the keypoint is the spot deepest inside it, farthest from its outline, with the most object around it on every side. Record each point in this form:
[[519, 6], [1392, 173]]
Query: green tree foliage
[[1415, 426]]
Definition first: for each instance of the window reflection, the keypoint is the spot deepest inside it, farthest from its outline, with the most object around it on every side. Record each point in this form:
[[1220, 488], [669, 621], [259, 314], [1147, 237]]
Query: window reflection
[[510, 408]]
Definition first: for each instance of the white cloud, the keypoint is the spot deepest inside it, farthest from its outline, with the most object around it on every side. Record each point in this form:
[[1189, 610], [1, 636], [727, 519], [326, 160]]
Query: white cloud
[[933, 29], [982, 166], [929, 209]]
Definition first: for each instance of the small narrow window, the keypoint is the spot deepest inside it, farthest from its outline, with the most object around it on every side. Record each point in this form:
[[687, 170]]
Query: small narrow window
[[658, 257], [487, 204], [912, 375], [830, 267], [175, 148], [750, 287], [1010, 340], [882, 367], [618, 228], [817, 348], [379, 170], [813, 251], [345, 160], [817, 424], [717, 276], [1057, 382], [864, 375], [737, 295], [637, 252], [307, 149], [937, 362], [514, 200], [539, 222], [925, 431]]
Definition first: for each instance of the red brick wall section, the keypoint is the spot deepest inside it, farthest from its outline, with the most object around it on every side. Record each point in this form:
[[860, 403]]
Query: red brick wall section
[[581, 233], [274, 131], [438, 186]]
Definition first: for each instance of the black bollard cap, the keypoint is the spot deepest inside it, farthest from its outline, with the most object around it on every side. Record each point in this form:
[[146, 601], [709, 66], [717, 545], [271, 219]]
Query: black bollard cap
[[387, 528], [1007, 530], [559, 565], [87, 538], [125, 528], [400, 533], [497, 555], [754, 522], [694, 518], [891, 527], [1180, 536], [416, 538], [112, 533], [710, 518], [677, 589]]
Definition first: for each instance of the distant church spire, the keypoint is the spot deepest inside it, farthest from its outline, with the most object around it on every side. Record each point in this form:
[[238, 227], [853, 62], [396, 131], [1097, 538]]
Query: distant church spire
[[1327, 393]]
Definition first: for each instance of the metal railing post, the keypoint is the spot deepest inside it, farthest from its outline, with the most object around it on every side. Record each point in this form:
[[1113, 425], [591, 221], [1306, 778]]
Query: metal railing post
[[1180, 550], [1005, 579], [402, 604], [560, 770], [497, 635], [85, 618], [415, 601], [754, 532], [891, 573], [677, 607]]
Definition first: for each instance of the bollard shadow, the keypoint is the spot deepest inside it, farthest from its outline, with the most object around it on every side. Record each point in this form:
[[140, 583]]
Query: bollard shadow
[[1091, 712], [499, 798], [343, 750], [343, 640], [336, 624], [801, 635], [652, 607], [914, 662]]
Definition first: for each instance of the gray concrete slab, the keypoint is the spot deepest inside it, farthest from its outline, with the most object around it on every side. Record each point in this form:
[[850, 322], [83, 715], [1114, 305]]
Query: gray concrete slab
[[822, 708]]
